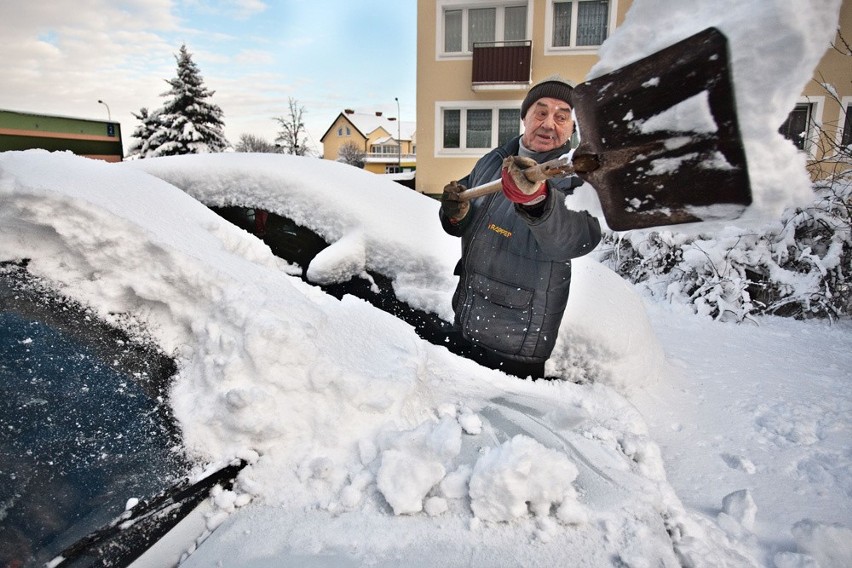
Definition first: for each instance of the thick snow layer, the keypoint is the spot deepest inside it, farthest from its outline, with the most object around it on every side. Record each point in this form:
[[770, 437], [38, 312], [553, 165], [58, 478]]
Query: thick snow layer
[[370, 446], [342, 409], [769, 73]]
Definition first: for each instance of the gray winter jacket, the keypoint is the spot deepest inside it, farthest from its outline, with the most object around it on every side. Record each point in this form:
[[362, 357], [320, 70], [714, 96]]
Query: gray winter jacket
[[515, 268]]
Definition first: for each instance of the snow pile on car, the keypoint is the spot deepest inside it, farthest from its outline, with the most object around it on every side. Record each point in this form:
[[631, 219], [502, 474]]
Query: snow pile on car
[[341, 408]]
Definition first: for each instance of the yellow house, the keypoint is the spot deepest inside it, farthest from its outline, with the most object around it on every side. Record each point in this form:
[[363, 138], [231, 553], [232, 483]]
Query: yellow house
[[821, 122], [377, 137], [476, 59]]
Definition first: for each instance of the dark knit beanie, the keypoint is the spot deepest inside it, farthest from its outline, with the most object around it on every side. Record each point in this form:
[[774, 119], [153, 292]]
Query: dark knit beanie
[[553, 88]]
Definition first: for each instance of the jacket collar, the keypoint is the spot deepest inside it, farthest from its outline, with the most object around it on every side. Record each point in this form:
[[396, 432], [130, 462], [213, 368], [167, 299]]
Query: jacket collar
[[513, 146]]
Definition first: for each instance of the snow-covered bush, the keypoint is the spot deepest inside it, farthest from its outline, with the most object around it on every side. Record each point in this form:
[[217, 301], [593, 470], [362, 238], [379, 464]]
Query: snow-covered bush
[[800, 266]]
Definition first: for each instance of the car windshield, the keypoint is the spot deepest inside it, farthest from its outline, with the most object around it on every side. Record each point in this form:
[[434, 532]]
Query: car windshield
[[84, 422]]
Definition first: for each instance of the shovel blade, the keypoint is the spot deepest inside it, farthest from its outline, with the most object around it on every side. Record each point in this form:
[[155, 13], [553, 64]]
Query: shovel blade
[[666, 132]]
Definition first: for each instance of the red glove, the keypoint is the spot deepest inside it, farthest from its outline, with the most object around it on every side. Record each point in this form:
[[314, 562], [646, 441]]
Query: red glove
[[516, 187]]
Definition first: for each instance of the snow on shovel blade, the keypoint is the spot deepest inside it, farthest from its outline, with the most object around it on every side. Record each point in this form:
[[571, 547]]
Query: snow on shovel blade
[[666, 134]]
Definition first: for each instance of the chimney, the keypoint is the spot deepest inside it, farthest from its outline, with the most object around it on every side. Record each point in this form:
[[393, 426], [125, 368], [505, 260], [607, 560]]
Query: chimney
[[349, 111], [378, 113]]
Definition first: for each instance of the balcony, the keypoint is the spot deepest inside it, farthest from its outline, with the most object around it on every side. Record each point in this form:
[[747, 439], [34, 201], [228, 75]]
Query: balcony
[[501, 65], [386, 158]]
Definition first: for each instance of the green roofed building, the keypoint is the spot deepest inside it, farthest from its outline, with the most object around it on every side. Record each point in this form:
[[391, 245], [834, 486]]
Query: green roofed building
[[96, 139]]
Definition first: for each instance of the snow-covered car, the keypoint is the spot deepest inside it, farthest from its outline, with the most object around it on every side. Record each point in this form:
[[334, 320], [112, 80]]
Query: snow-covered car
[[364, 444], [316, 429], [335, 227], [84, 420]]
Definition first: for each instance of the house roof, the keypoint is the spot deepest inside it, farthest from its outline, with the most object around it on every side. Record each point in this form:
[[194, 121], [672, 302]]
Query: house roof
[[366, 124]]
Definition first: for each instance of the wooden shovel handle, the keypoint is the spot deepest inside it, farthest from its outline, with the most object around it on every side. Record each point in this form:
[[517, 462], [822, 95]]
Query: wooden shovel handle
[[539, 172]]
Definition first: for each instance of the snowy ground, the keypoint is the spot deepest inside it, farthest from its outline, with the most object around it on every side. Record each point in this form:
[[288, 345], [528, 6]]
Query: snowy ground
[[762, 408]]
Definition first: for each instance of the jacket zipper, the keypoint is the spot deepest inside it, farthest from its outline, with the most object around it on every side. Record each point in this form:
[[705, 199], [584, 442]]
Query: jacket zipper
[[466, 305]]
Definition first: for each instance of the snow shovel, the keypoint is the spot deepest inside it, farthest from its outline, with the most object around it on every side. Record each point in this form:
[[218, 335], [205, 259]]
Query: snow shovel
[[660, 142]]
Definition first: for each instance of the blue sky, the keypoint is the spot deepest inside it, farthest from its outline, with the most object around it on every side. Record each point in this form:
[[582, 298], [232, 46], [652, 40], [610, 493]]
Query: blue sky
[[62, 56]]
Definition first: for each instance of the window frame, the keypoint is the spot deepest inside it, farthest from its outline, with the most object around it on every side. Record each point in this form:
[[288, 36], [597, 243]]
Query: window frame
[[499, 24], [550, 49], [463, 106], [843, 117], [385, 149], [814, 126]]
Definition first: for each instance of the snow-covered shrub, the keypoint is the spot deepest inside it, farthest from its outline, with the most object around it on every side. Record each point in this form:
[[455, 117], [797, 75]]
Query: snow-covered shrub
[[800, 266]]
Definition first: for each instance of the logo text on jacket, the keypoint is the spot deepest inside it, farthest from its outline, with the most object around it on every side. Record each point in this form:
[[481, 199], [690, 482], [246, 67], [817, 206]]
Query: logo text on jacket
[[500, 231]]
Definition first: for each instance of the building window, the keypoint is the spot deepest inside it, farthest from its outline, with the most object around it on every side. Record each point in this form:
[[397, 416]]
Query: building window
[[385, 149], [464, 27], [393, 170], [508, 124], [515, 23], [453, 31], [480, 28], [846, 137], [579, 23], [798, 125], [478, 128], [452, 128]]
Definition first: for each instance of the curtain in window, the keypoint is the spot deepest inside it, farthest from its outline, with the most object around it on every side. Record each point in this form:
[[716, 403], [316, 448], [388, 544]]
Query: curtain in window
[[561, 24], [481, 24], [591, 22], [515, 25], [452, 128], [452, 31], [509, 124], [478, 128]]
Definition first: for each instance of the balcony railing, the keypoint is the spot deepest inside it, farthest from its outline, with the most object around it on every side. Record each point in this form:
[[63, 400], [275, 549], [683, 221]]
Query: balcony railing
[[382, 157], [502, 62]]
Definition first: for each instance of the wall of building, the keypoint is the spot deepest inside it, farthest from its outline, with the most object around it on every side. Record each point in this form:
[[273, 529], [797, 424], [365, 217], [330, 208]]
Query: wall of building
[[90, 138], [332, 141], [435, 170], [830, 93]]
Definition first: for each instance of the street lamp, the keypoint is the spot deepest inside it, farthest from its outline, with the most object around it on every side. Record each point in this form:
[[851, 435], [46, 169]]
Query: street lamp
[[109, 114], [398, 133]]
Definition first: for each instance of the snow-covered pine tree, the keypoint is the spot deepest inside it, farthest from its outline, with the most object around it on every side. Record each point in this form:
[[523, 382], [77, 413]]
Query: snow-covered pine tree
[[144, 132], [188, 123]]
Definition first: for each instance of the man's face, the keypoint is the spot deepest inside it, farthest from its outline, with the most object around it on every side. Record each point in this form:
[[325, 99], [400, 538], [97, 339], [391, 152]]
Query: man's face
[[547, 125]]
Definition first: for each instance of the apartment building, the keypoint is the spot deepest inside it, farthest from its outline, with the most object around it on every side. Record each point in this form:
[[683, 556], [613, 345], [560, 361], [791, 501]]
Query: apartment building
[[476, 59]]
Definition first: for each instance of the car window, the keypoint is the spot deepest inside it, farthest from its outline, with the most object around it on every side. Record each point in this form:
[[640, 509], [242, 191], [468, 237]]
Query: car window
[[84, 420], [299, 245]]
